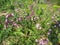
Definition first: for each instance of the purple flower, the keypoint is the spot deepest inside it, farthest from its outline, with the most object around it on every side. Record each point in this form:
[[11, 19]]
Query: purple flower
[[6, 21], [14, 24], [43, 41], [9, 15]]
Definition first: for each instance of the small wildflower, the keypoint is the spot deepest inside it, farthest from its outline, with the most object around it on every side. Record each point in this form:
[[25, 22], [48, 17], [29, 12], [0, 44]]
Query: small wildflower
[[6, 24], [43, 42], [20, 19], [6, 16], [10, 15], [36, 18], [53, 17], [36, 40], [38, 26], [14, 24], [6, 21], [48, 23]]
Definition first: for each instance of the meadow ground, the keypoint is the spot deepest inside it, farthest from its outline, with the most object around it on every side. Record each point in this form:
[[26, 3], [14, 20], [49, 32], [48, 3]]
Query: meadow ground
[[29, 22]]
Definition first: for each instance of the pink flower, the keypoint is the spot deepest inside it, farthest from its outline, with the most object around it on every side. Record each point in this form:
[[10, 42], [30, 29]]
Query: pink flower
[[6, 21], [43, 41], [19, 19], [14, 24], [9, 15]]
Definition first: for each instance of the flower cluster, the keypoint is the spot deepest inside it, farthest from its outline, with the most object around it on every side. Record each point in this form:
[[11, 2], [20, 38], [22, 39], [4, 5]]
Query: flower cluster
[[10, 15], [42, 41], [55, 25], [7, 21]]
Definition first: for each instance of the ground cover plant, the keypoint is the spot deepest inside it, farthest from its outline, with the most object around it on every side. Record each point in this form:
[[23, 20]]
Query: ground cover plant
[[29, 22]]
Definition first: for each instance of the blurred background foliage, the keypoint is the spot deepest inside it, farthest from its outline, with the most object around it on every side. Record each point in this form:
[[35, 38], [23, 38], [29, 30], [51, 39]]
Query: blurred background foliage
[[8, 4]]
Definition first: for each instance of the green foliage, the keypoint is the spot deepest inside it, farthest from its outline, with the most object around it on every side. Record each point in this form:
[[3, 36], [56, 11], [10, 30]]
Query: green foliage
[[55, 2], [28, 32]]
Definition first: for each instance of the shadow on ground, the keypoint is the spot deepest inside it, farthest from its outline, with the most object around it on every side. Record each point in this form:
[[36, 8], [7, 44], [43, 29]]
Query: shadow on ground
[[54, 31]]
